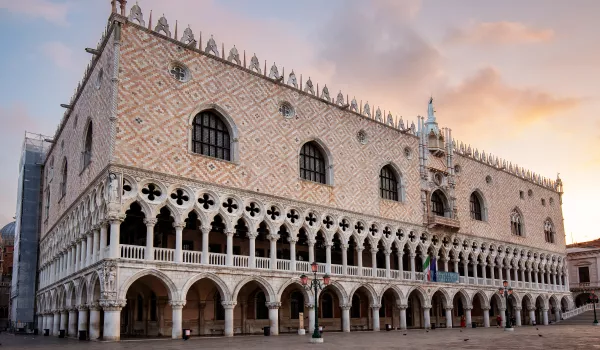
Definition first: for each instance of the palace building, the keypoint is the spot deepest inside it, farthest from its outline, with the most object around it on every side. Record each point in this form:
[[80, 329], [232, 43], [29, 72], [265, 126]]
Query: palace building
[[189, 188]]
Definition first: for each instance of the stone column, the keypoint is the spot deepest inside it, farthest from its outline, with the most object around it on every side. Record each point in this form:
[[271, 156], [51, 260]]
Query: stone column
[[484, 272], [85, 250], [179, 241], [448, 317], [492, 266], [545, 316], [273, 251], [64, 314], [82, 325], [359, 251], [523, 275], [252, 248], [95, 243], [456, 266], [77, 255], [426, 318], [486, 317], [72, 322], [402, 316], [292, 254], [311, 251], [445, 264], [115, 229], [150, 238], [229, 307], [274, 317], [500, 272], [466, 269], [375, 314], [311, 317], [468, 318], [400, 265], [374, 261], [412, 266], [112, 317], [40, 323], [503, 316], [328, 257], [475, 276], [535, 279], [177, 307], [557, 313], [518, 316], [345, 318], [344, 247], [387, 263], [102, 240], [204, 256], [56, 323], [94, 321]]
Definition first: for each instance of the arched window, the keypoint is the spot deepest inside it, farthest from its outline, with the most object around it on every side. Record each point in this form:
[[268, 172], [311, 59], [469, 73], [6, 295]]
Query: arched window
[[327, 306], [63, 183], [516, 223], [312, 163], [262, 313], [355, 308], [296, 305], [549, 231], [388, 183], [437, 204], [475, 207], [219, 309], [87, 148], [210, 135]]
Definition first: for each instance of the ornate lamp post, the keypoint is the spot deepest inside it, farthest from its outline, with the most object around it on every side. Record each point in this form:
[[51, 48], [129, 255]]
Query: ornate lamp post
[[316, 285], [506, 291], [594, 300]]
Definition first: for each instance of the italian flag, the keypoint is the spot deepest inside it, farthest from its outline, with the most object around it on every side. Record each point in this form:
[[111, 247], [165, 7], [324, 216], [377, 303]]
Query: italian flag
[[427, 268]]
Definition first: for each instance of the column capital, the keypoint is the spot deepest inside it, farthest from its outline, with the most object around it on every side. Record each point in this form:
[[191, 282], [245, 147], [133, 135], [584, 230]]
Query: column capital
[[468, 308], [82, 307], [180, 225], [485, 308], [531, 308], [344, 246], [309, 306], [518, 308], [94, 307], [273, 305], [227, 304], [387, 251], [375, 306], [359, 248], [345, 307], [112, 305], [177, 304], [116, 219], [402, 306], [374, 250], [150, 222], [273, 237], [412, 255], [449, 308]]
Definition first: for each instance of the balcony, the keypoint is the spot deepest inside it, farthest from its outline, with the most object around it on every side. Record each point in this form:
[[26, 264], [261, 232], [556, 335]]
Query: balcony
[[442, 221], [585, 286], [298, 267]]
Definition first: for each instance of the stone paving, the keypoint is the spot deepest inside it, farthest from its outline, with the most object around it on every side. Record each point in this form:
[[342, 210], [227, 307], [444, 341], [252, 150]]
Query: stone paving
[[552, 337]]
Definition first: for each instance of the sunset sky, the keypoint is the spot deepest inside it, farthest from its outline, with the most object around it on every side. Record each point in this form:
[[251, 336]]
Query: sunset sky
[[519, 79]]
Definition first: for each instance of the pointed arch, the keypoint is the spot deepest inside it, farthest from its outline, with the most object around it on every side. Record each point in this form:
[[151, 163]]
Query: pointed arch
[[263, 283], [372, 295], [391, 183], [221, 285], [339, 290], [439, 203], [483, 299], [308, 297], [394, 289], [464, 296], [421, 294], [517, 222], [87, 145], [478, 206], [447, 300], [168, 283]]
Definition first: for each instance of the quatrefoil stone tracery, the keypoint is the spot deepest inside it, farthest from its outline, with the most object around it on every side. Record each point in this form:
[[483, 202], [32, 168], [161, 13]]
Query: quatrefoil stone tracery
[[151, 191], [293, 216], [206, 201], [274, 213], [253, 209], [230, 205], [180, 197]]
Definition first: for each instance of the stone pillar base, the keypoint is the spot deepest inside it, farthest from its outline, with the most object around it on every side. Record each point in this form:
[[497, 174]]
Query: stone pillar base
[[509, 329], [301, 332], [316, 340]]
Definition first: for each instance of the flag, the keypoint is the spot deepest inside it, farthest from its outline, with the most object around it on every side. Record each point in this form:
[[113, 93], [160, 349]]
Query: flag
[[433, 269], [427, 268]]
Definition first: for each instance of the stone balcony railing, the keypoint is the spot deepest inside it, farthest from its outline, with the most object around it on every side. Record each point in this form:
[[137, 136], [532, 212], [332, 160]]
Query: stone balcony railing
[[435, 220], [585, 286], [129, 252]]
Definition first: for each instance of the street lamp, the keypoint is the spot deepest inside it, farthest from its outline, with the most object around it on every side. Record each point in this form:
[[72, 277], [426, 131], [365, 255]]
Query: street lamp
[[506, 291], [316, 285], [594, 300]]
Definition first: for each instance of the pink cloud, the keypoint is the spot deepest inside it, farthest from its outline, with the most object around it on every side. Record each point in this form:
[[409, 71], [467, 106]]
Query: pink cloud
[[50, 11], [499, 33]]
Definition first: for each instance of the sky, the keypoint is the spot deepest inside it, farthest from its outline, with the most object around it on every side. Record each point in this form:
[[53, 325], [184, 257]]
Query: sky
[[518, 79]]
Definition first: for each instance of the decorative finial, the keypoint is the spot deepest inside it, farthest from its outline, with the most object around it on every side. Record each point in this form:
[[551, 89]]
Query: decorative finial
[[163, 26], [211, 46], [340, 98], [309, 87], [325, 94], [254, 65], [150, 21], [234, 56], [274, 73], [354, 105], [188, 37], [367, 110], [135, 14]]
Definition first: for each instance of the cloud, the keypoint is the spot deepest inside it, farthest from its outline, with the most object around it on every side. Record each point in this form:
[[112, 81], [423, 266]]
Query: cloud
[[499, 33], [59, 53], [377, 48], [485, 98], [52, 12]]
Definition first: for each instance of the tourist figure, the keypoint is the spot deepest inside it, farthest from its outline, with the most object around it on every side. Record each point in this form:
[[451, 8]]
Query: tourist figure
[[463, 321], [499, 320]]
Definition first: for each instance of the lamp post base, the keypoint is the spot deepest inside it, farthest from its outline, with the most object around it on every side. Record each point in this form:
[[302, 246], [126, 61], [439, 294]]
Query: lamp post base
[[301, 331], [596, 324], [316, 340], [509, 329]]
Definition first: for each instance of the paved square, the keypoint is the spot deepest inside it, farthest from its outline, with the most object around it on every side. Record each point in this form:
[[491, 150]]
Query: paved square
[[553, 337]]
